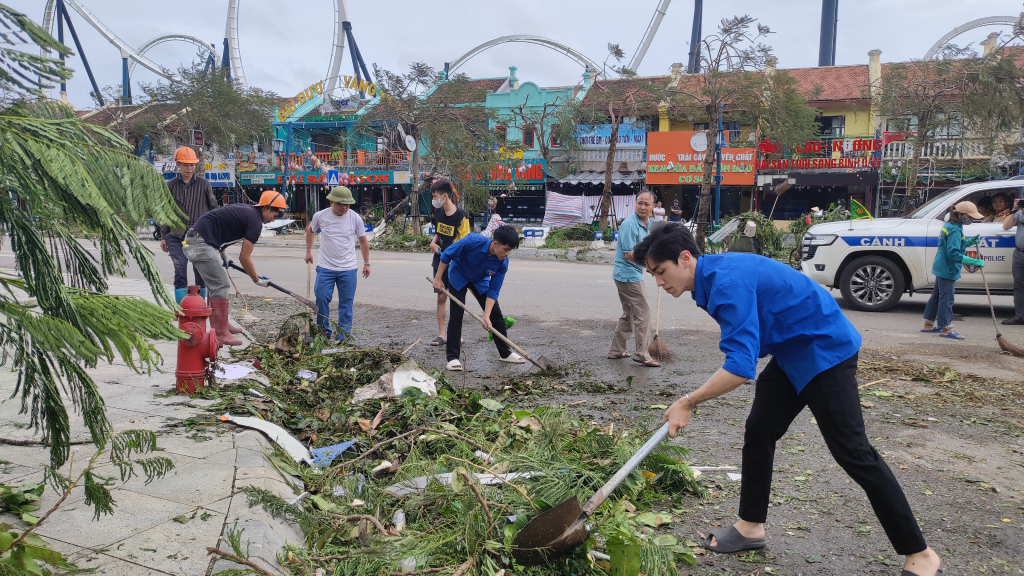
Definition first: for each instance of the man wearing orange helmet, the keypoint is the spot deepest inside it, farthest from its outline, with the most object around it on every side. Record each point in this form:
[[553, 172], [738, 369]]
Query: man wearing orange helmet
[[194, 197], [206, 241]]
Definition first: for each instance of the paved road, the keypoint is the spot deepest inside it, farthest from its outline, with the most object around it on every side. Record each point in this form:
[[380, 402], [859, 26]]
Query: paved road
[[571, 291]]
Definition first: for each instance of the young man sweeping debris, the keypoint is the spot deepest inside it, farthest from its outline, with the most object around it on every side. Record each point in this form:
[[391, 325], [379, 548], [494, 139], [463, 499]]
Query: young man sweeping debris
[[205, 243], [766, 308], [340, 228], [477, 264]]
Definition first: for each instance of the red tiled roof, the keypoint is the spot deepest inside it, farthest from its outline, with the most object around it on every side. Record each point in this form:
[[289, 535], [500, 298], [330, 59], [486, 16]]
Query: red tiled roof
[[832, 83], [470, 91]]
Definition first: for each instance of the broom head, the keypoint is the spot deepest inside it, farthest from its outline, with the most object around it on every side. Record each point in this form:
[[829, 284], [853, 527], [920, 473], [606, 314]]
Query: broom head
[[659, 351], [1007, 347]]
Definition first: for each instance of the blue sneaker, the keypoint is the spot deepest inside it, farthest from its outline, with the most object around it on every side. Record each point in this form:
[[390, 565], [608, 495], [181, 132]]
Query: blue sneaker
[[202, 292], [180, 293]]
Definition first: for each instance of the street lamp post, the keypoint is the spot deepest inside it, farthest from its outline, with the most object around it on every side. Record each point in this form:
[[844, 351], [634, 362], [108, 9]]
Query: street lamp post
[[719, 141]]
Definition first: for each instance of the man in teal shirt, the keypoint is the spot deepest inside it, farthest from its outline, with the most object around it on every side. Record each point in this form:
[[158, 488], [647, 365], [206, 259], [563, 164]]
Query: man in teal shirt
[[629, 281]]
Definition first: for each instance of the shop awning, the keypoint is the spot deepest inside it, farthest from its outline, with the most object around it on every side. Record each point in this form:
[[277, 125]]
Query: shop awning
[[598, 176]]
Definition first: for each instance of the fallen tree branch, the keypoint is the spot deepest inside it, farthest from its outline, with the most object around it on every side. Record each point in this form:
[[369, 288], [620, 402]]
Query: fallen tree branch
[[472, 443], [330, 558], [376, 522], [378, 446], [499, 477], [411, 345], [870, 383], [242, 561], [464, 567], [427, 571], [479, 497], [12, 442]]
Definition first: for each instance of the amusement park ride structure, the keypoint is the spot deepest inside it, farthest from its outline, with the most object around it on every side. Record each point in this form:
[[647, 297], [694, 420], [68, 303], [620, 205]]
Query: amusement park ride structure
[[56, 14]]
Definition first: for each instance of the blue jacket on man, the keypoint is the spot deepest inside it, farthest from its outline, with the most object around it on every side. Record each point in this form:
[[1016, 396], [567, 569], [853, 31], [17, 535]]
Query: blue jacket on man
[[470, 263], [765, 307]]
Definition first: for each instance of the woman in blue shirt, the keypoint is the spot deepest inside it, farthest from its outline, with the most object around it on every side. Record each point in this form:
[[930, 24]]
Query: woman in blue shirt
[[949, 259], [766, 308]]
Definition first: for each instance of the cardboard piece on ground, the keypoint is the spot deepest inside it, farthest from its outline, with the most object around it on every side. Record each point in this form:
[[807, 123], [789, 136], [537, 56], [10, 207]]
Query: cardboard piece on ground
[[392, 384], [420, 483], [296, 449]]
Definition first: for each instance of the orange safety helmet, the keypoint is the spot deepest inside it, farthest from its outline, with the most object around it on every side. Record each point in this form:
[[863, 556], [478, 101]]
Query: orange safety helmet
[[185, 155], [274, 199]]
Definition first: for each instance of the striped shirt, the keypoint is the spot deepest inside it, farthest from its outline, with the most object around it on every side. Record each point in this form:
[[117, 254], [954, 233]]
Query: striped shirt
[[194, 199]]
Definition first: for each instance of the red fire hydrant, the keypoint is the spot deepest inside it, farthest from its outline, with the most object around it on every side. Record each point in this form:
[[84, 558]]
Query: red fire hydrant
[[197, 351]]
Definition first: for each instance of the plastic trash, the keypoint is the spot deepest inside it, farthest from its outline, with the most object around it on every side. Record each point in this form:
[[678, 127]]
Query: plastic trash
[[399, 519], [324, 456]]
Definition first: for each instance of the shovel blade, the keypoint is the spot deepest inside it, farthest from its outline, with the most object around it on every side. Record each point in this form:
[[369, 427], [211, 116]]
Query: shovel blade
[[550, 535]]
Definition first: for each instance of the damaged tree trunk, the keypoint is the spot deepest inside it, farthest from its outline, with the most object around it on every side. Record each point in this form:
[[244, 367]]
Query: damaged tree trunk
[[704, 212], [606, 196]]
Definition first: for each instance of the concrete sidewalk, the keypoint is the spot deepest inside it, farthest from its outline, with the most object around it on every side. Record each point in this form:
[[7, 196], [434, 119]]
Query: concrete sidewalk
[[163, 527]]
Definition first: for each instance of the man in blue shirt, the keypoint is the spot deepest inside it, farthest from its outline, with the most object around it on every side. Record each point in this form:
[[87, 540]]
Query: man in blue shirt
[[477, 264], [629, 281], [766, 308]]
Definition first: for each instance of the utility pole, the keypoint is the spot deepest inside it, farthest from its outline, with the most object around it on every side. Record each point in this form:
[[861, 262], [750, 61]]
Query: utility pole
[[829, 23], [719, 140], [693, 65]]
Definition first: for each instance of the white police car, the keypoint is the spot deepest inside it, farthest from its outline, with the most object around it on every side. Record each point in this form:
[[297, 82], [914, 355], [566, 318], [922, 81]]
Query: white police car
[[873, 262]]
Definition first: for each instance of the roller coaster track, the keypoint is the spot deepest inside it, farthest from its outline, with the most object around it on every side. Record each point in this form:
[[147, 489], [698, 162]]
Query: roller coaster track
[[126, 50], [172, 38], [527, 39], [979, 23]]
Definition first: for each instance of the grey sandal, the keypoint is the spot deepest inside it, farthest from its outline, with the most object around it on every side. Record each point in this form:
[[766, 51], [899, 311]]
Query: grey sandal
[[730, 540]]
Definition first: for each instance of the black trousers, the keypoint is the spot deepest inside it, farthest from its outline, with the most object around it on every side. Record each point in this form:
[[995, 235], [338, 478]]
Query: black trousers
[[454, 335], [834, 400], [177, 255]]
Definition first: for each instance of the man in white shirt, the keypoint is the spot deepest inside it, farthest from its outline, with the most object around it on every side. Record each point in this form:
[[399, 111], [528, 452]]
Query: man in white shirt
[[659, 212], [339, 227]]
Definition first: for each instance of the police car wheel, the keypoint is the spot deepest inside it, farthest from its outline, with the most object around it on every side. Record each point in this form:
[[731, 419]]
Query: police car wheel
[[872, 284]]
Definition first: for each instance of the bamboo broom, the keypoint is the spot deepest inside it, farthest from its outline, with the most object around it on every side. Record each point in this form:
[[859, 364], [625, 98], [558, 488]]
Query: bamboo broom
[[658, 350], [1003, 344]]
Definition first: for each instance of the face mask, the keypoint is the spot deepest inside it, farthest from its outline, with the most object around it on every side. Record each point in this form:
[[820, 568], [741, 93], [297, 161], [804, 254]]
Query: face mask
[[437, 203], [965, 220]]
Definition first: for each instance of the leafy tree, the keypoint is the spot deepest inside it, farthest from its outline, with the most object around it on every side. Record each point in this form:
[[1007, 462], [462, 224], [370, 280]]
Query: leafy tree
[[228, 114], [56, 318], [450, 124], [555, 121], [958, 95], [610, 101], [23, 73], [726, 59]]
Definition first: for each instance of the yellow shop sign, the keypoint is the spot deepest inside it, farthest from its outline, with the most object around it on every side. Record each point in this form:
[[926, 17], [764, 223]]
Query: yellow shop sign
[[308, 94]]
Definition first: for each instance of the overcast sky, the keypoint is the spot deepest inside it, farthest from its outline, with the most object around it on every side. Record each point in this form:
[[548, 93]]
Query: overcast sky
[[286, 49]]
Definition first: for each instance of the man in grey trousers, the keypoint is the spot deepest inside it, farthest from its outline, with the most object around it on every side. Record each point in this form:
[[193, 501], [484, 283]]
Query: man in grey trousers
[[1016, 218], [205, 243], [629, 281]]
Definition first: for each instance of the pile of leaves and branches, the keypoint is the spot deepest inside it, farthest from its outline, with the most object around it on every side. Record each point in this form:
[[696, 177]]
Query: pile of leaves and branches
[[402, 243], [955, 388], [568, 237], [357, 520], [782, 245]]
